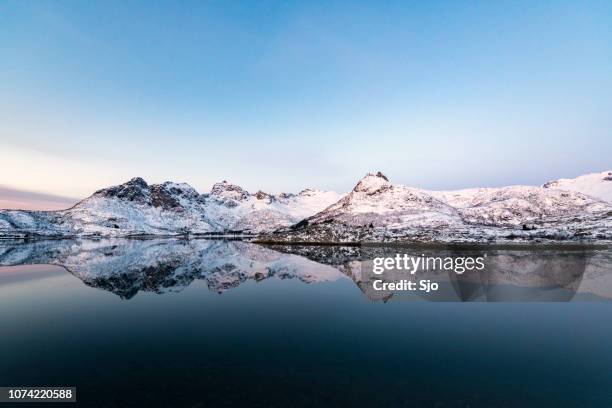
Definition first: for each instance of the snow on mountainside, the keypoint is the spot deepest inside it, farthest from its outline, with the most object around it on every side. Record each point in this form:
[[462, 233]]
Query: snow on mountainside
[[377, 210], [597, 185], [516, 205], [137, 208], [376, 202], [232, 208]]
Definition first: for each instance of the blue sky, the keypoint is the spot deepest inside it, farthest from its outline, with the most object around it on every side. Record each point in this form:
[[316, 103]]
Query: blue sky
[[283, 95]]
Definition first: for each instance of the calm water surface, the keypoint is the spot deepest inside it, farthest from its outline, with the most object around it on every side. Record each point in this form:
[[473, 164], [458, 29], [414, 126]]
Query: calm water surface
[[216, 323]]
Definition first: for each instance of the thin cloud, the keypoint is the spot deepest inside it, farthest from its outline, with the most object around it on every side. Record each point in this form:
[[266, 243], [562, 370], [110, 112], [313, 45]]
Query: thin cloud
[[12, 198]]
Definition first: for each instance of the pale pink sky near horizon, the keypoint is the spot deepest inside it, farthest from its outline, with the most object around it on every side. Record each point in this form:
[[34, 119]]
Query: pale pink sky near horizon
[[17, 199]]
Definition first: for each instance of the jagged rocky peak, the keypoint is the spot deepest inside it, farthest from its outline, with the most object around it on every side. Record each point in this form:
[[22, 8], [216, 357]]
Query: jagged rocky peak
[[372, 183], [181, 189], [286, 196], [136, 190], [167, 195], [260, 195], [307, 192], [230, 191]]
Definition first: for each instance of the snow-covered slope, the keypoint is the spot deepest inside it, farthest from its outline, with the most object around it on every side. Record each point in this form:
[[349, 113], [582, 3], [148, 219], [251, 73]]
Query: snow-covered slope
[[597, 185], [137, 208], [20, 223], [234, 209], [518, 205], [376, 210], [376, 206]]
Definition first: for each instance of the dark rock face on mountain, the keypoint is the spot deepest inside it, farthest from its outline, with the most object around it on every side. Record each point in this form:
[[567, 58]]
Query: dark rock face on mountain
[[375, 210], [167, 196], [136, 208], [378, 211], [135, 190], [225, 190], [372, 183], [260, 195]]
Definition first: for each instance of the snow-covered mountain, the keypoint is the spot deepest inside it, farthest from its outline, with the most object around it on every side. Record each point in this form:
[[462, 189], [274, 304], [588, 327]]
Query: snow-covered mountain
[[377, 210], [230, 208], [597, 185], [137, 208]]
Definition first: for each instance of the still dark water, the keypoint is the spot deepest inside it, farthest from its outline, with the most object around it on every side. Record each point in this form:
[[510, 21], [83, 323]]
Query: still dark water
[[221, 323]]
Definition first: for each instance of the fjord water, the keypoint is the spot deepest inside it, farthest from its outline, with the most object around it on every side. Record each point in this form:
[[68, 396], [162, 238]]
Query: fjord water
[[222, 323]]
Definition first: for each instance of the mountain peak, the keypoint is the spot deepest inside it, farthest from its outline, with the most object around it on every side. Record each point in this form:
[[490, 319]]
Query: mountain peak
[[182, 189], [135, 189], [379, 174], [307, 192], [139, 181], [228, 190], [260, 195], [372, 182], [286, 195]]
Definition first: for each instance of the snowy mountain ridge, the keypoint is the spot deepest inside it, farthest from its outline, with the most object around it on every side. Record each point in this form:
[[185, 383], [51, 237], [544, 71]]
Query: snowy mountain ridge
[[136, 208], [375, 210], [595, 184], [378, 211]]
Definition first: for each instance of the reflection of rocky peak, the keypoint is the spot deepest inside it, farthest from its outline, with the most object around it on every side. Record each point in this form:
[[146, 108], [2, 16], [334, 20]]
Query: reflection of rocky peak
[[553, 274], [126, 267]]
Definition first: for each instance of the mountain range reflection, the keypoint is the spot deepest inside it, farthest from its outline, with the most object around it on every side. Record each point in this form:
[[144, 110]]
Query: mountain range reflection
[[127, 267]]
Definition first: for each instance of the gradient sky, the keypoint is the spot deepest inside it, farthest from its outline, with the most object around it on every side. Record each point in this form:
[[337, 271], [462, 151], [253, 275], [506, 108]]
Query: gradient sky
[[283, 95]]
